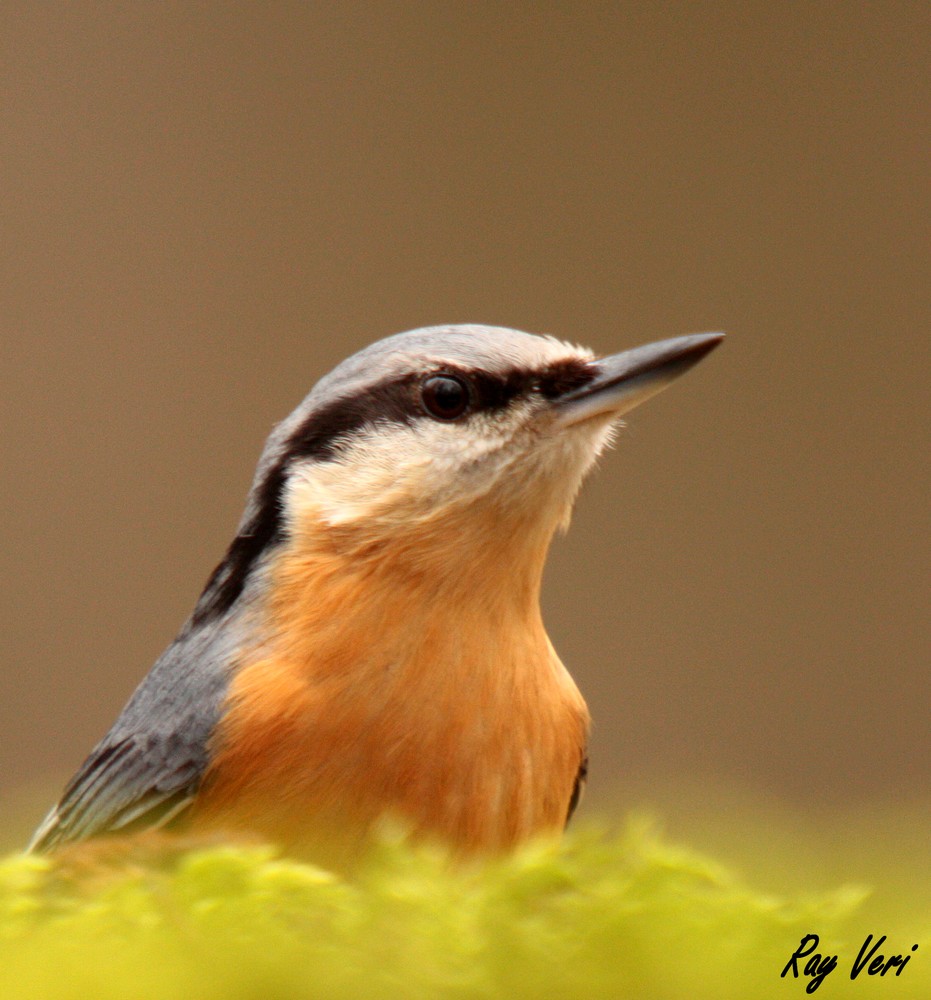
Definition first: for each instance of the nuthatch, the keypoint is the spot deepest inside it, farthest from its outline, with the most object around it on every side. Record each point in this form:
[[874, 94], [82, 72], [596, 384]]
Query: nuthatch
[[371, 645]]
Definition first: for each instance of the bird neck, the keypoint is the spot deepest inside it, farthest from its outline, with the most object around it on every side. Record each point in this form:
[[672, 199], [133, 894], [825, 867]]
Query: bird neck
[[483, 564]]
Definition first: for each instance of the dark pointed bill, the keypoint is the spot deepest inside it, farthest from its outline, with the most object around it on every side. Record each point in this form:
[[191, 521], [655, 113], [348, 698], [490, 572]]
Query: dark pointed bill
[[625, 380]]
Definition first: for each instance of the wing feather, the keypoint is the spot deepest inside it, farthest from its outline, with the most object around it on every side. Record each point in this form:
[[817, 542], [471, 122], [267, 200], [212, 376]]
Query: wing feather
[[147, 769], [134, 783]]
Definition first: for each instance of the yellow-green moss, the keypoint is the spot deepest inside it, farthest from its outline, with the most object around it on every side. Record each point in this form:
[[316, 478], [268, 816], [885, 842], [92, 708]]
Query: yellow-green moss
[[599, 916]]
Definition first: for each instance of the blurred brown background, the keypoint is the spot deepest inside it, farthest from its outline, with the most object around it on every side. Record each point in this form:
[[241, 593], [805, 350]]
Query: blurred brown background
[[205, 207]]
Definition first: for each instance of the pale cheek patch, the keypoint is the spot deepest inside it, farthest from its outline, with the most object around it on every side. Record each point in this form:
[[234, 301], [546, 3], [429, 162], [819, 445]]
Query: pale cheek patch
[[352, 487], [391, 473], [403, 474]]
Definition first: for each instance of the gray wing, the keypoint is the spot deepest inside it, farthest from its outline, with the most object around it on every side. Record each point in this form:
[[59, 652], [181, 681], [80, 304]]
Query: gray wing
[[132, 783], [146, 771]]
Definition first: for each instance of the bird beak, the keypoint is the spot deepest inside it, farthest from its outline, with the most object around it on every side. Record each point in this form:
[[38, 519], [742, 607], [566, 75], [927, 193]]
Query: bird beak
[[625, 380]]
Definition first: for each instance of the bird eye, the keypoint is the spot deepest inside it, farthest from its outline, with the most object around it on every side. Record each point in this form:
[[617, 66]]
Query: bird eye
[[445, 397]]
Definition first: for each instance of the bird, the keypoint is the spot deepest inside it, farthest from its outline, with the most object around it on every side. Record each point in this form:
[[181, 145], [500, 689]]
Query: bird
[[371, 647]]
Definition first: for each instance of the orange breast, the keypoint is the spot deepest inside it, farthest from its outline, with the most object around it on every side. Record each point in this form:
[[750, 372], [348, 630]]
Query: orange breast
[[378, 696]]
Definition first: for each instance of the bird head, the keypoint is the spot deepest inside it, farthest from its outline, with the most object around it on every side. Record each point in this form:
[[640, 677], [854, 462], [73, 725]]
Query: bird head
[[445, 446]]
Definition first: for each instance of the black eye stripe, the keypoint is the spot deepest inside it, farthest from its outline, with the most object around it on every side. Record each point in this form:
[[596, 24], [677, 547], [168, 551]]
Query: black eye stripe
[[496, 390], [395, 401], [392, 401], [564, 376]]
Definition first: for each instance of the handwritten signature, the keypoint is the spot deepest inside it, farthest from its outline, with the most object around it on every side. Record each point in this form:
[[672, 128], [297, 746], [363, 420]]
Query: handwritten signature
[[819, 966]]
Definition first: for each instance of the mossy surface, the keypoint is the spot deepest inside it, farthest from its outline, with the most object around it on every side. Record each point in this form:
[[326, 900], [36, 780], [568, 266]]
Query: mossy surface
[[614, 916]]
